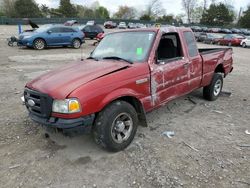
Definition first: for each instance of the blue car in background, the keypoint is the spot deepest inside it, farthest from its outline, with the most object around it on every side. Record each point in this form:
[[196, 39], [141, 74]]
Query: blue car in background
[[52, 35]]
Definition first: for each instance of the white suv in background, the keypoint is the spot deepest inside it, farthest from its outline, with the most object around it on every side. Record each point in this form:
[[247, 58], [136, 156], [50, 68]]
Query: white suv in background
[[245, 42]]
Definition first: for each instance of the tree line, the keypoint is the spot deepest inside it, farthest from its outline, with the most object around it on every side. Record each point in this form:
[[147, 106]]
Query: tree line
[[216, 14]]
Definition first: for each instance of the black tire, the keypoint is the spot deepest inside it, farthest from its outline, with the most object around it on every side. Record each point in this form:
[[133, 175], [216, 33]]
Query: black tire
[[108, 123], [244, 45], [10, 43], [229, 44], [76, 43], [39, 44], [212, 91]]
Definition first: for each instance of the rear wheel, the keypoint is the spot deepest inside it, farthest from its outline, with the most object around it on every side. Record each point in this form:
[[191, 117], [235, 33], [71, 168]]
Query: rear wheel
[[76, 43], [229, 44], [115, 126], [39, 44], [213, 90], [244, 45]]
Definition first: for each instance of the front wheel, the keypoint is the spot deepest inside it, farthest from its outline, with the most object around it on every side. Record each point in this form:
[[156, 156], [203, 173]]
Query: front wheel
[[39, 44], [115, 126], [213, 90], [244, 45]]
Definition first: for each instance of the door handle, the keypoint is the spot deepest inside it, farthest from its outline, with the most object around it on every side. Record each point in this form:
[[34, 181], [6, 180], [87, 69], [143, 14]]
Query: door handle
[[186, 65]]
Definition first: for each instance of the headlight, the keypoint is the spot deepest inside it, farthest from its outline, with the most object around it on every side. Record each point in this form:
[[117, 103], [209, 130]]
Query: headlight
[[26, 37], [67, 106]]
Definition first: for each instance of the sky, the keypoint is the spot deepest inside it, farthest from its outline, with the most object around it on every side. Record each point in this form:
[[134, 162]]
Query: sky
[[171, 6]]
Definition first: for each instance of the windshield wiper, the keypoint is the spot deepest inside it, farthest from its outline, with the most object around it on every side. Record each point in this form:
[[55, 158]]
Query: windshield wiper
[[91, 57], [118, 58]]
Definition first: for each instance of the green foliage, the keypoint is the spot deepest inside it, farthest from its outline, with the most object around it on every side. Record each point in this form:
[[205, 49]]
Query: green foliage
[[166, 18], [102, 12], [67, 9], [125, 12], [44, 10], [84, 12], [217, 15], [245, 19], [8, 8], [145, 17], [27, 9]]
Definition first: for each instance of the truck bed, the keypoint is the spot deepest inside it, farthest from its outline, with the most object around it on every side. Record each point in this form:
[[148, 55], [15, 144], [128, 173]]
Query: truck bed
[[212, 58], [204, 51]]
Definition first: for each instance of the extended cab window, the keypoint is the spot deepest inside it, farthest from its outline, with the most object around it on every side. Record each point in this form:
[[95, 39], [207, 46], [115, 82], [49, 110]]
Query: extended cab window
[[191, 44], [169, 47]]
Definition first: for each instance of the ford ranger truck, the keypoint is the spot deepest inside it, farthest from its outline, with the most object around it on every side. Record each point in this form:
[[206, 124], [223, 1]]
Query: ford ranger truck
[[128, 74]]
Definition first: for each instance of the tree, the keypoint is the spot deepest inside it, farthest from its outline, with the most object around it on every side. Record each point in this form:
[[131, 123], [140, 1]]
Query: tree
[[27, 9], [217, 14], [8, 8], [145, 17], [67, 9], [167, 18], [155, 9], [189, 6], [102, 12], [44, 10], [244, 20], [197, 14], [125, 12]]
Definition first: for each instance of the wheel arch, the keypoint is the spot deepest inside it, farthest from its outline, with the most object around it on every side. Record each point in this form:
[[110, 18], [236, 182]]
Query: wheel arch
[[40, 38], [136, 103]]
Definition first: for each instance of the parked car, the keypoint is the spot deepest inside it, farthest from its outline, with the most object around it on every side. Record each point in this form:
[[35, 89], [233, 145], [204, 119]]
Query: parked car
[[214, 30], [91, 31], [196, 29], [213, 38], [128, 74], [52, 35], [70, 22], [110, 25], [231, 40], [122, 25], [237, 31], [204, 29], [197, 35], [245, 42], [227, 31], [131, 25], [91, 22], [245, 32], [202, 37]]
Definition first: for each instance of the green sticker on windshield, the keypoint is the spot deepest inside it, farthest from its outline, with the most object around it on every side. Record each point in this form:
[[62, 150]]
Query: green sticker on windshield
[[139, 51]]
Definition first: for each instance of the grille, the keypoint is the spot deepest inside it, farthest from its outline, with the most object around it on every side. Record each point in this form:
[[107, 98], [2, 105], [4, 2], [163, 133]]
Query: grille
[[37, 103]]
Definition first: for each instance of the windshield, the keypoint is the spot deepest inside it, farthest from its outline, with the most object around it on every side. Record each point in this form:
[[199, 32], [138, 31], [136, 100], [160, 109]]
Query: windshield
[[132, 46]]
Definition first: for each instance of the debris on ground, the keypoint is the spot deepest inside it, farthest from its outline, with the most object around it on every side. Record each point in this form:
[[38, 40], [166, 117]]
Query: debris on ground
[[193, 148], [247, 132], [14, 166], [191, 100], [169, 134], [225, 94]]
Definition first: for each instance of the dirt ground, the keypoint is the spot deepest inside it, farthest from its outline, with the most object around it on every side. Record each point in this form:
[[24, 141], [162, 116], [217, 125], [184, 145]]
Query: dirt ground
[[207, 149]]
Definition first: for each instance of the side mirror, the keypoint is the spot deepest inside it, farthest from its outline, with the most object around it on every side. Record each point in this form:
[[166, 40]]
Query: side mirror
[[49, 32]]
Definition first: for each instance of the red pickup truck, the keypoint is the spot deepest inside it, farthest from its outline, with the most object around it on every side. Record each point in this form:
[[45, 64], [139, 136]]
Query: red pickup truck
[[128, 74]]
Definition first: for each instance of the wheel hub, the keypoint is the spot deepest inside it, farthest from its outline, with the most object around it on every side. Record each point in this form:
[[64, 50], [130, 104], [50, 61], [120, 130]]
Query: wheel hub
[[120, 126]]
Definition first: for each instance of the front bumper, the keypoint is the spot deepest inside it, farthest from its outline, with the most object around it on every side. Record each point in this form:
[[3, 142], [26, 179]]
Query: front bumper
[[79, 125]]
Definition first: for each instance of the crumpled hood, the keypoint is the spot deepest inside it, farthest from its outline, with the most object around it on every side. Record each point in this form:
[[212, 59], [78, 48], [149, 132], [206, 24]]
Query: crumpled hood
[[60, 83]]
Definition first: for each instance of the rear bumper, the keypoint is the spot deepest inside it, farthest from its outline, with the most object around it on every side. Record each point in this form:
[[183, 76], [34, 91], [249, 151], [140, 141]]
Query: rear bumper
[[82, 124]]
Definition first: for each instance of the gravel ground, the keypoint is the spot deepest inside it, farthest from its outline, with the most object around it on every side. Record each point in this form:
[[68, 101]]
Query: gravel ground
[[206, 150]]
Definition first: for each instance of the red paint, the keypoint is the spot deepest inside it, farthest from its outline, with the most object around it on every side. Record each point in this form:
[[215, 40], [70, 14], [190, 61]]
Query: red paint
[[97, 83]]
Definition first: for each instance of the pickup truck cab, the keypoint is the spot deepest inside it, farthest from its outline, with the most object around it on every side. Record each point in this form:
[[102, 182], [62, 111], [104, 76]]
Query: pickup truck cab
[[128, 74]]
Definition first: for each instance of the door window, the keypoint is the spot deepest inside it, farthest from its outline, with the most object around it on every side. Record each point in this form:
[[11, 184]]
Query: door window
[[56, 30], [169, 47], [68, 30], [191, 44]]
